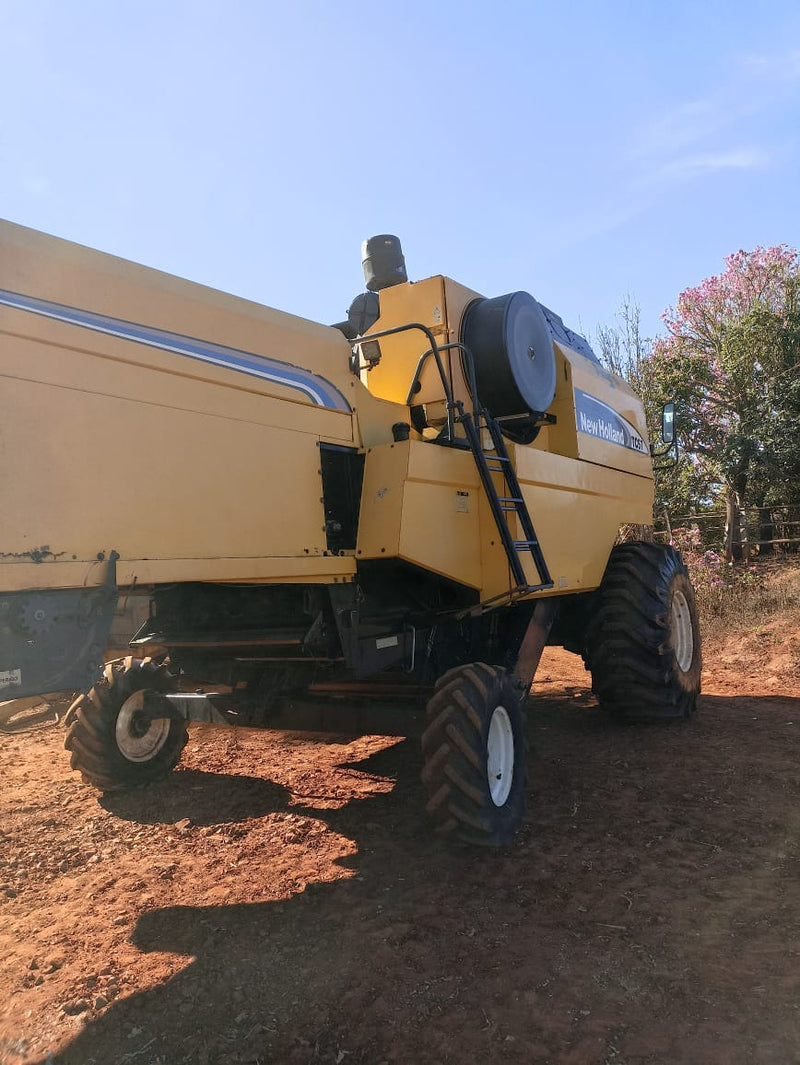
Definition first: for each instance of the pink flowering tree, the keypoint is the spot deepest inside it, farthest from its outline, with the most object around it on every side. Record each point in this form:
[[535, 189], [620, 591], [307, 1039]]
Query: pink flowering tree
[[731, 359]]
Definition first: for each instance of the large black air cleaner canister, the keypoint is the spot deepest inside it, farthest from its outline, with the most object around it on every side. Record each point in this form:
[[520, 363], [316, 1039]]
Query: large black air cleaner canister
[[383, 262], [515, 365]]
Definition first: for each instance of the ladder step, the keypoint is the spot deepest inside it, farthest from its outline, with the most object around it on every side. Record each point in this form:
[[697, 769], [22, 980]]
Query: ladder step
[[511, 499], [525, 543]]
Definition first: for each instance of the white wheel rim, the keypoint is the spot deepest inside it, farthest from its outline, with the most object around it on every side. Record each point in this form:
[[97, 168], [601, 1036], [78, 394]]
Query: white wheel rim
[[682, 632], [500, 756], [139, 740]]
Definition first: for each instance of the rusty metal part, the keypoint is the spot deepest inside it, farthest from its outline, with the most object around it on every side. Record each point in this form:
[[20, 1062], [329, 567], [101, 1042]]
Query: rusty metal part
[[534, 642]]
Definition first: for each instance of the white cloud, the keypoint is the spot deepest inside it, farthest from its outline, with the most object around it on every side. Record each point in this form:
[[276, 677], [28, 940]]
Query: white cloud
[[778, 69], [701, 163], [718, 134], [757, 83], [684, 126]]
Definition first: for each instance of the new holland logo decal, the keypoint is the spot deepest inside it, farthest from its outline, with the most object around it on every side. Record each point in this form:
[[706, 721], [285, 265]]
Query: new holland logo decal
[[603, 422]]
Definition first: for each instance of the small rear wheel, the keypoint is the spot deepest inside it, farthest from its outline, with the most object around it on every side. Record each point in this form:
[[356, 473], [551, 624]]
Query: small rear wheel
[[114, 745], [474, 755]]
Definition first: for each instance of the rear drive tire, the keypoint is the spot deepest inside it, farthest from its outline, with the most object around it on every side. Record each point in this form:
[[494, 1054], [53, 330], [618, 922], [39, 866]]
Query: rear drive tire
[[642, 643], [474, 755], [113, 746]]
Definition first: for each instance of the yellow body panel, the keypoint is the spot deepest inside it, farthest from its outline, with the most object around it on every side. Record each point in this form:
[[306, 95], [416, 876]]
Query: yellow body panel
[[420, 503], [423, 503], [576, 509], [70, 274], [189, 470], [121, 437], [578, 488], [438, 303], [423, 303]]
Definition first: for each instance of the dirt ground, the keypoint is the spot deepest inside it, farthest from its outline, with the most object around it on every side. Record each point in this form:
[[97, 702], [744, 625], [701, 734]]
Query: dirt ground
[[279, 898]]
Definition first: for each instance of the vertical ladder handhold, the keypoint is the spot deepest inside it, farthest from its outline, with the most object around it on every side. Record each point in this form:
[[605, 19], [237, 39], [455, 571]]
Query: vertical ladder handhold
[[497, 461]]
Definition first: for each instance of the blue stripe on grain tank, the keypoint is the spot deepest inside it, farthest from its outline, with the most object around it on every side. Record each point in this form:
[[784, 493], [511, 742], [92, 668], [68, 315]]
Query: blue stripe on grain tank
[[315, 388]]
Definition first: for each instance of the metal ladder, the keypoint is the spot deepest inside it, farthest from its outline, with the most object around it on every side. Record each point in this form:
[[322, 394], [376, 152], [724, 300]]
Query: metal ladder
[[496, 460]]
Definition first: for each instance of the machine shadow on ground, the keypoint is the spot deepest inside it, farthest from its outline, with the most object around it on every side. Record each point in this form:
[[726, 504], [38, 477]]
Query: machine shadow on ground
[[203, 798], [646, 875]]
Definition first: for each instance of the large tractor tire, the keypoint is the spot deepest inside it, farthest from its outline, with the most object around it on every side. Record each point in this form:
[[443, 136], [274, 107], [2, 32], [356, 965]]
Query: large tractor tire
[[474, 755], [113, 744], [642, 643]]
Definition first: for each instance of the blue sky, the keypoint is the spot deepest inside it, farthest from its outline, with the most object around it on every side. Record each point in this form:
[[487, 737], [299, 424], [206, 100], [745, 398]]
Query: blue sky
[[578, 150]]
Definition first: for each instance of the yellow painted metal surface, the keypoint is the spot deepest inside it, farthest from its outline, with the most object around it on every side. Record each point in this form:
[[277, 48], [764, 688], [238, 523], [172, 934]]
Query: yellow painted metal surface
[[422, 303], [118, 436], [576, 508], [578, 488], [190, 470], [420, 503], [97, 472], [51, 269], [438, 303], [423, 503]]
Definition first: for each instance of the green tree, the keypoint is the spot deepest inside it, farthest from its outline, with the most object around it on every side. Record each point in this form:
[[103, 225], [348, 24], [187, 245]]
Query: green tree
[[731, 358], [731, 361], [680, 488]]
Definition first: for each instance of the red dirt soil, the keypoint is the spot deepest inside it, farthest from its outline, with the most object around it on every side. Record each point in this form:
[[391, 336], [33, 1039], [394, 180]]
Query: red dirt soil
[[279, 898]]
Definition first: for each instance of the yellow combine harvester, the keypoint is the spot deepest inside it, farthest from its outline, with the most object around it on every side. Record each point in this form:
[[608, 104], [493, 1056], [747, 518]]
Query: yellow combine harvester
[[413, 501]]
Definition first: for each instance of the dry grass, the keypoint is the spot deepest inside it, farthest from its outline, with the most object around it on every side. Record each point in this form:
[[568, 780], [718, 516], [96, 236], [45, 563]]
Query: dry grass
[[751, 597]]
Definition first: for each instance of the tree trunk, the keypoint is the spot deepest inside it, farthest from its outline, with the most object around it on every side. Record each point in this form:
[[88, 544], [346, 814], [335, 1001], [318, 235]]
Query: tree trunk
[[766, 531], [733, 527], [668, 525]]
